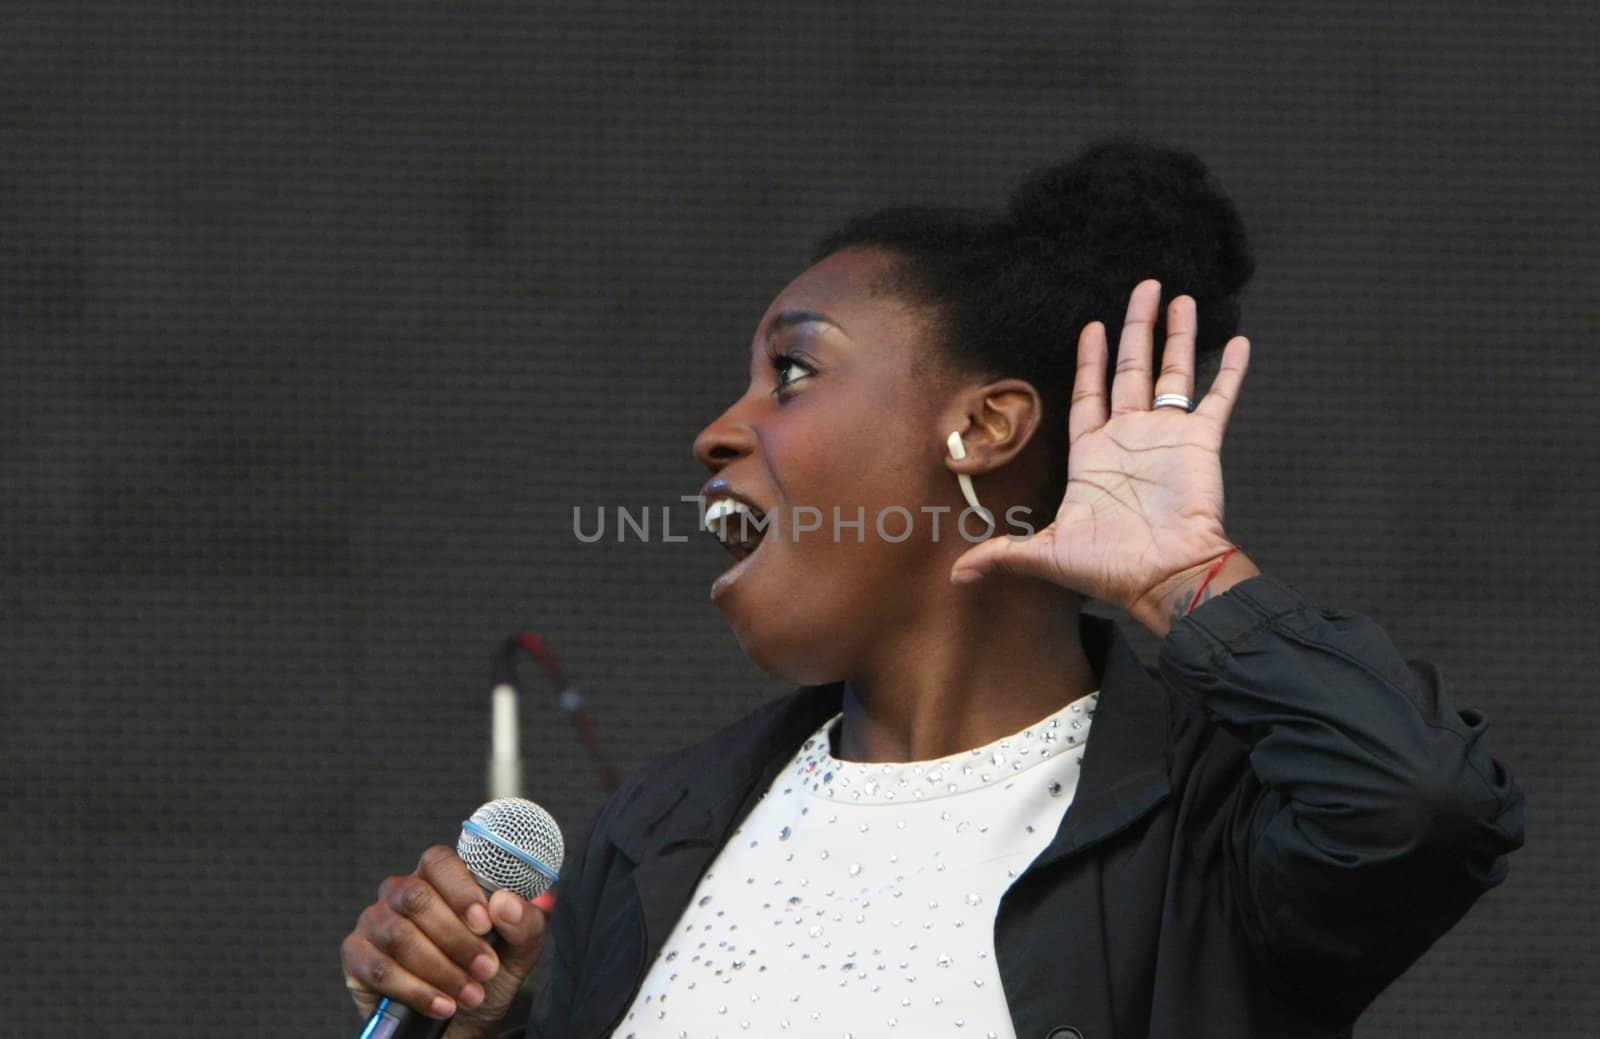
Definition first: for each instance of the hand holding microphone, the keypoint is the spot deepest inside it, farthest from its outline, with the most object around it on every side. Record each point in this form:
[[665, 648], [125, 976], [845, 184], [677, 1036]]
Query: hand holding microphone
[[426, 942]]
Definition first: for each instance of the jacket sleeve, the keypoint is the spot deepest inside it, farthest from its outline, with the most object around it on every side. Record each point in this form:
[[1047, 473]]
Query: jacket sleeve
[[1374, 816]]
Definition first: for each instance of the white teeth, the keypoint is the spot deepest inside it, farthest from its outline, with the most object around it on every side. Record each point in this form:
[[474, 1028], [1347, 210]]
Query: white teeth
[[723, 508], [720, 513]]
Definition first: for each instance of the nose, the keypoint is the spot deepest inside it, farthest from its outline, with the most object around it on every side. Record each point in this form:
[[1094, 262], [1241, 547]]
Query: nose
[[725, 440]]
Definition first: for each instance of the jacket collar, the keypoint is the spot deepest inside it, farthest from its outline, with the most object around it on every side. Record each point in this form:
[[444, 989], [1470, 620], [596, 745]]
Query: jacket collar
[[705, 793], [1126, 764]]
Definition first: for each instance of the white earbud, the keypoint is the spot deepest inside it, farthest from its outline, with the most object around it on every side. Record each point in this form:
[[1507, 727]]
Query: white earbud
[[958, 451]]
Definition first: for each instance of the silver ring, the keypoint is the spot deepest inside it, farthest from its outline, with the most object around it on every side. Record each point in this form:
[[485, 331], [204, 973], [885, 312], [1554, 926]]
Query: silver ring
[[1174, 400]]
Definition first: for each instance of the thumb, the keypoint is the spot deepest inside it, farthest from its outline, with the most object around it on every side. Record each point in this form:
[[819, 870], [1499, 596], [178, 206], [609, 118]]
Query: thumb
[[521, 927], [1029, 557], [520, 924]]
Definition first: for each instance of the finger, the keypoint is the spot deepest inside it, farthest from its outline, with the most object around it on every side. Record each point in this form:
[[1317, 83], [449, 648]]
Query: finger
[[521, 926], [1177, 353], [1088, 411], [367, 965], [1218, 402], [441, 867], [414, 949], [415, 900], [1130, 386], [999, 556]]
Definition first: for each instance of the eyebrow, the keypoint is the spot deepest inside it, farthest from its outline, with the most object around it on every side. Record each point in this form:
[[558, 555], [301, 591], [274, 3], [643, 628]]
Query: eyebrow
[[789, 318]]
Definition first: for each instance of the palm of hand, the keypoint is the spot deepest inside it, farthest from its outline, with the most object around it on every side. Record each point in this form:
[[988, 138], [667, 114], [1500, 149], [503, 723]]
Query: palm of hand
[[1143, 500]]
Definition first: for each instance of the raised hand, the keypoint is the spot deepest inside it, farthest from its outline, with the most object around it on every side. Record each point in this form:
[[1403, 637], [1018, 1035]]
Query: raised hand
[[1140, 522]]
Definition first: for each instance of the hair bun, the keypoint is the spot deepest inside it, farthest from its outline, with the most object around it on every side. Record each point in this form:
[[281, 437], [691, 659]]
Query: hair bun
[[1125, 210]]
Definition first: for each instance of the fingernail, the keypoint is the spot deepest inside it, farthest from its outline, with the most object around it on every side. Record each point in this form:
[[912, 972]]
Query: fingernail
[[964, 576], [513, 911], [442, 1006], [478, 917], [484, 967], [471, 994]]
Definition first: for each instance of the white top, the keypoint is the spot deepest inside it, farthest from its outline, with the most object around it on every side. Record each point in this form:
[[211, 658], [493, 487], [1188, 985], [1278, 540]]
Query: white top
[[859, 900]]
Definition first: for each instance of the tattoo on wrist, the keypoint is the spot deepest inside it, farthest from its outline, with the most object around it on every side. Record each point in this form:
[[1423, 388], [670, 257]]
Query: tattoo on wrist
[[1188, 600]]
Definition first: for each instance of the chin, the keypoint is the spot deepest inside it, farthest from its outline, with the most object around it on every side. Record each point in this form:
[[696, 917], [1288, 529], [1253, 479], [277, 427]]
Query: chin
[[785, 630], [783, 660]]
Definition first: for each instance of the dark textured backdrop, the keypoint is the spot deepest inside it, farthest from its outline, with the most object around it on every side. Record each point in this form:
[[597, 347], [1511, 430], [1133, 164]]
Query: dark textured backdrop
[[318, 319]]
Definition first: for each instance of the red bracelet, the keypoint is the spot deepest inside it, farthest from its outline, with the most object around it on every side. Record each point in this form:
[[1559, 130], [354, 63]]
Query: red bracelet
[[1209, 575]]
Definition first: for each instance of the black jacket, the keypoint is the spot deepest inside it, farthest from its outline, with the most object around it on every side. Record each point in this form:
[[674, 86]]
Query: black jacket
[[1265, 834]]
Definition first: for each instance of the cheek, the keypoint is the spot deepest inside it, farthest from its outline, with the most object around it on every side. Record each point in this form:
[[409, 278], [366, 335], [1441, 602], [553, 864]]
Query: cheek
[[868, 462], [866, 457]]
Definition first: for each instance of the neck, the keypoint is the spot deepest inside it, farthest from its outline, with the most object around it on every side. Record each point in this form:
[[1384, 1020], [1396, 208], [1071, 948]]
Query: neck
[[971, 665]]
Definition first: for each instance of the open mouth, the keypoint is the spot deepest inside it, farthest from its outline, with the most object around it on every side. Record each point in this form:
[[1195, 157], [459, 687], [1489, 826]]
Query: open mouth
[[739, 526]]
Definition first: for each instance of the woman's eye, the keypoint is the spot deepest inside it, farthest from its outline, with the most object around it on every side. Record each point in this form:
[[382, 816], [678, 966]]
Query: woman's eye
[[790, 371]]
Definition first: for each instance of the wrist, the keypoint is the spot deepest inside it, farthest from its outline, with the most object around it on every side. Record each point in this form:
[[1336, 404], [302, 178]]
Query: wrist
[[1186, 590]]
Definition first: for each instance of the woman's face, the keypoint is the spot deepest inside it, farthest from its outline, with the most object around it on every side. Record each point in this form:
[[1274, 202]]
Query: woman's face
[[842, 419]]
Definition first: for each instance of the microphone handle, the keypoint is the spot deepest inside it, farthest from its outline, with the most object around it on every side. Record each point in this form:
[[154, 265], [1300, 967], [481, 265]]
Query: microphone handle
[[391, 1020]]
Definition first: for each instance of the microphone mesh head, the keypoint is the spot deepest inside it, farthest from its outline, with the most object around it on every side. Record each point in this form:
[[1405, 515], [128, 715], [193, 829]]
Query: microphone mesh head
[[518, 846]]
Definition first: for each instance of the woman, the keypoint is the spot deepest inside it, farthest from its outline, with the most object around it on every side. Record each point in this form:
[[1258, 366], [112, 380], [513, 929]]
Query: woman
[[981, 816]]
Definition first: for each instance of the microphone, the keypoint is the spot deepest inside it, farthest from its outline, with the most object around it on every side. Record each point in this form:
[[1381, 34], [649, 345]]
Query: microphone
[[508, 843]]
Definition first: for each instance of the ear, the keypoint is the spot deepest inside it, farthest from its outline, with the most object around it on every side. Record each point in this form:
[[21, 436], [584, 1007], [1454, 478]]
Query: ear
[[996, 421]]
